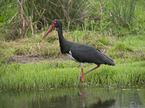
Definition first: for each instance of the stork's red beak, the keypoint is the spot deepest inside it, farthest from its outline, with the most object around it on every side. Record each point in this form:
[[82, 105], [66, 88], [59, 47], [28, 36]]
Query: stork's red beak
[[49, 30]]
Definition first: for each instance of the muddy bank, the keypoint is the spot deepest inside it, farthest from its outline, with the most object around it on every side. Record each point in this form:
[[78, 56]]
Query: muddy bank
[[34, 58]]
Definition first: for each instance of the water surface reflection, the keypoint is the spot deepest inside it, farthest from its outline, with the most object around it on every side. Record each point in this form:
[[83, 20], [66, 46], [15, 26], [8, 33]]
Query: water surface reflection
[[74, 98], [98, 104]]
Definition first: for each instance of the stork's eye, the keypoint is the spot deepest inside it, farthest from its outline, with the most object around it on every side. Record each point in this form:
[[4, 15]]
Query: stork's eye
[[54, 23]]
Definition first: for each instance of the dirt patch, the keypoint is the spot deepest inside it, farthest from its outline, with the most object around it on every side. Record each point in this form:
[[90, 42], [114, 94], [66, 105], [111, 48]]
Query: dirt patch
[[34, 58]]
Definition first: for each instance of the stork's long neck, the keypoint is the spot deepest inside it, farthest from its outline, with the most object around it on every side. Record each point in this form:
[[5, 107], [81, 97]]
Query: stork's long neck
[[60, 34], [64, 44]]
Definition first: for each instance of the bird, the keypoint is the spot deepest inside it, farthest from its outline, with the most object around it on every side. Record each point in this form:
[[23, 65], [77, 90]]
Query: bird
[[79, 52]]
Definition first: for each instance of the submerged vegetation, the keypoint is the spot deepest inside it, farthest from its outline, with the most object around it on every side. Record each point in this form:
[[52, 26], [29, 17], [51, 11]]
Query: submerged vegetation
[[114, 27]]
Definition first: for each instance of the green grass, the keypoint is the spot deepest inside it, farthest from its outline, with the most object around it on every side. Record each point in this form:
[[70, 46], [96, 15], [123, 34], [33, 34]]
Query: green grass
[[56, 74]]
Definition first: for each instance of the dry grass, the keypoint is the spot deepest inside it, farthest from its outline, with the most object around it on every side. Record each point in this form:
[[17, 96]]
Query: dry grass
[[129, 47]]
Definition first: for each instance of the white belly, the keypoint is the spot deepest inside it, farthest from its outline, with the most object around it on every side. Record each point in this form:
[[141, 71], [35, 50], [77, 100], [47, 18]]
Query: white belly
[[71, 57]]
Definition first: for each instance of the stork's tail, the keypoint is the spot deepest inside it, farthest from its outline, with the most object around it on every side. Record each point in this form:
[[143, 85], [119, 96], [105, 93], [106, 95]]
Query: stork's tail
[[109, 60]]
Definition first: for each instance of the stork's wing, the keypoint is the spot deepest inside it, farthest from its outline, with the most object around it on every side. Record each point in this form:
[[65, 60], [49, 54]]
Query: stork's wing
[[86, 53]]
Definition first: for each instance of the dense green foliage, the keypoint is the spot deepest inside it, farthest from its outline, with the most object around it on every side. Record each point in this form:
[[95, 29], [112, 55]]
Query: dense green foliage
[[24, 18]]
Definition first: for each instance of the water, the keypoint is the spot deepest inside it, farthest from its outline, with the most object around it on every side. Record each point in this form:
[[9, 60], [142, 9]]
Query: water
[[74, 98]]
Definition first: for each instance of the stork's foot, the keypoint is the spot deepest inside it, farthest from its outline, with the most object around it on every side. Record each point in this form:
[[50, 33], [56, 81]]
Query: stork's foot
[[82, 78]]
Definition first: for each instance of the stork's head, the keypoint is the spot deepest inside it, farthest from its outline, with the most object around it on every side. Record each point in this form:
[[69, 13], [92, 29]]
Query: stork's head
[[56, 23]]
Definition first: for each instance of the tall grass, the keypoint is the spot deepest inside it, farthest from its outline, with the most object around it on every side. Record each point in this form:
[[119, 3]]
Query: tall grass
[[31, 16], [123, 12], [113, 17]]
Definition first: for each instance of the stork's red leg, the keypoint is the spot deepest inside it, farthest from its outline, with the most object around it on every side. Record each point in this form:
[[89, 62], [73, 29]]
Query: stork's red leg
[[82, 76], [98, 65]]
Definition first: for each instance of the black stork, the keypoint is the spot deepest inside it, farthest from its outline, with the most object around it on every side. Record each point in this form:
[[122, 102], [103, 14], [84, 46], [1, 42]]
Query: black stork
[[79, 52]]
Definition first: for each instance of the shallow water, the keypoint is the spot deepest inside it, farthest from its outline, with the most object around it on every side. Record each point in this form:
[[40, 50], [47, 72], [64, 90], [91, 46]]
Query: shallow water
[[74, 98]]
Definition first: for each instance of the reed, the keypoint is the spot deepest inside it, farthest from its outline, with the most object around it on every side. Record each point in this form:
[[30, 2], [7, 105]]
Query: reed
[[114, 17], [123, 12]]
